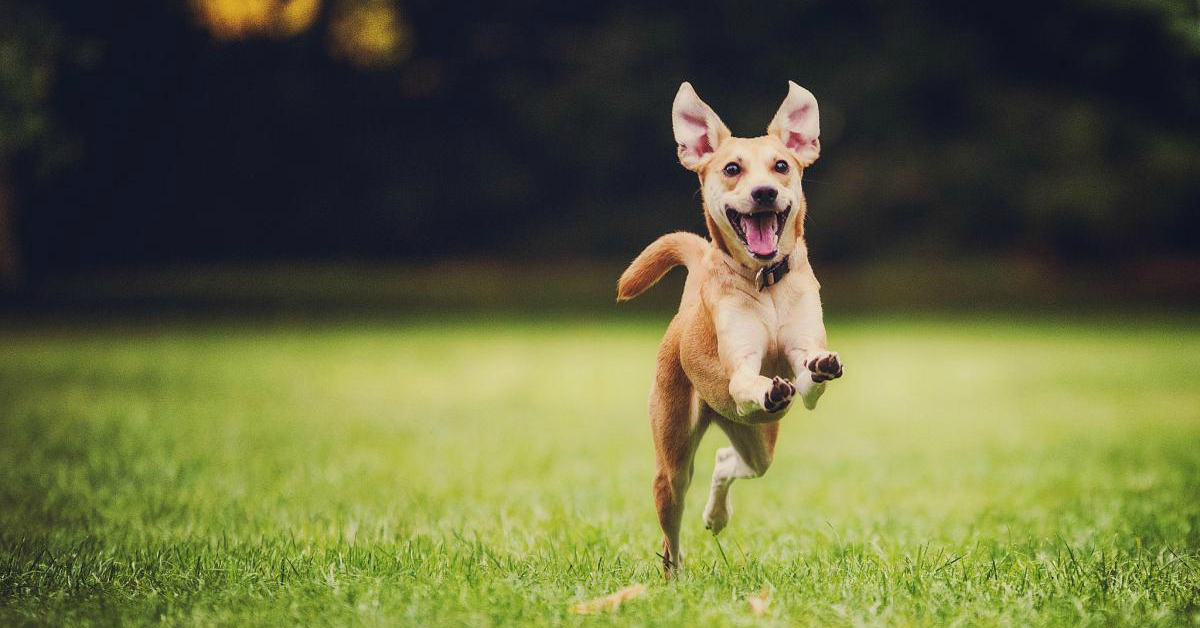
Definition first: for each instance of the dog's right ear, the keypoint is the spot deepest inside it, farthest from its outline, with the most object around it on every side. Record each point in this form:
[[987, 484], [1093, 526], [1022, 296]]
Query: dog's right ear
[[698, 130]]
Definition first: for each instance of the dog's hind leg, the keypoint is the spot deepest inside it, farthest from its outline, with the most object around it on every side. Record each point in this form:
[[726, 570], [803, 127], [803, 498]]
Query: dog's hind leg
[[751, 453], [678, 425]]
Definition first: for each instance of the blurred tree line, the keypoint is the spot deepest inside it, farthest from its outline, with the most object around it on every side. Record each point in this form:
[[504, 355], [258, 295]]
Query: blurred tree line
[[172, 131]]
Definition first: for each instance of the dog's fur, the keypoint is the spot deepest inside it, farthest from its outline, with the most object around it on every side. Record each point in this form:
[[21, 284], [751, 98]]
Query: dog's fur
[[733, 356]]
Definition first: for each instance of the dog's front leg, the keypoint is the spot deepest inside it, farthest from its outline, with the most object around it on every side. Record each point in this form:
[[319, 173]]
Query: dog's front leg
[[742, 343], [803, 340]]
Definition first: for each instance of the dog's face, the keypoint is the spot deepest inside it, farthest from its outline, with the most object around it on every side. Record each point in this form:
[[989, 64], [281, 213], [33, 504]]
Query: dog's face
[[750, 186]]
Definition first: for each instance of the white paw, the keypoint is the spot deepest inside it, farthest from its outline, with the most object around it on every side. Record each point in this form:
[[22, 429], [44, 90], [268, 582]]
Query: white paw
[[824, 366], [773, 395], [717, 512]]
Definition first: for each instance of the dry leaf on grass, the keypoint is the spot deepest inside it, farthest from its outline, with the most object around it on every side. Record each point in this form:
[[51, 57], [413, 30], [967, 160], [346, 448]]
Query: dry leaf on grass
[[759, 602], [609, 602]]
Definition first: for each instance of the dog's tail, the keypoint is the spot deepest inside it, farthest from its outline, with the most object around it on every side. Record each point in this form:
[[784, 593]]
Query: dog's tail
[[662, 255]]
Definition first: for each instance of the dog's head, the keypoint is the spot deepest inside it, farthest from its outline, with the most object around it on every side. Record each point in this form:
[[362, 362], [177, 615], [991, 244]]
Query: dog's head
[[753, 202]]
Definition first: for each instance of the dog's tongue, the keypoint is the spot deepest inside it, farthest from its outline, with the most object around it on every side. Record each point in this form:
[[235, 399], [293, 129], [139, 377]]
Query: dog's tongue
[[760, 233]]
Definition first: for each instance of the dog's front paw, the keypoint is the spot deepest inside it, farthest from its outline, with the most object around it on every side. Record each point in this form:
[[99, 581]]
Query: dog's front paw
[[779, 396], [824, 366], [770, 395]]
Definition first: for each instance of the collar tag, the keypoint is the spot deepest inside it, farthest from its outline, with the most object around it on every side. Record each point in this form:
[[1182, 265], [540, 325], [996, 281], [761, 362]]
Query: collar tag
[[770, 275]]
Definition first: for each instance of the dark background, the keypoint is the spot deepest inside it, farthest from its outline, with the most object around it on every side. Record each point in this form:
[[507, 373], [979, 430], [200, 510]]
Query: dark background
[[140, 135]]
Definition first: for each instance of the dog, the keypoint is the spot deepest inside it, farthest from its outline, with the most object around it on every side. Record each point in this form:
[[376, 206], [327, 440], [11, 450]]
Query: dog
[[749, 335]]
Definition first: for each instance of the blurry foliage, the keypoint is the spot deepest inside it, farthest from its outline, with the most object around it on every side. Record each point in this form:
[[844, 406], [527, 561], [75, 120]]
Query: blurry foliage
[[367, 33], [238, 19], [31, 48], [215, 129]]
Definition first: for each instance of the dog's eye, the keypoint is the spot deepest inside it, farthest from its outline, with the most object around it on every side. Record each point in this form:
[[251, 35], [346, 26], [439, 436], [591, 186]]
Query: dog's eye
[[732, 170], [781, 166]]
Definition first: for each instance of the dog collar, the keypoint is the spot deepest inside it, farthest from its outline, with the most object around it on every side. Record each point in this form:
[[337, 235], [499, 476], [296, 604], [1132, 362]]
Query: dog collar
[[770, 275], [764, 276]]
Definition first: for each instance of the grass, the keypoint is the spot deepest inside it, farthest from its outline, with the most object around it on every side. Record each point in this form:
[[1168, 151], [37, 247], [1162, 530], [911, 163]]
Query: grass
[[467, 471]]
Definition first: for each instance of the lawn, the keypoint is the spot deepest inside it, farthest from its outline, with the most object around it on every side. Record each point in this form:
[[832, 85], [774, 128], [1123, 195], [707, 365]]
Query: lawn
[[463, 470]]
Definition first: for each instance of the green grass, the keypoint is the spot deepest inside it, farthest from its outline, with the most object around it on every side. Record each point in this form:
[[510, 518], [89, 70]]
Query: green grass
[[447, 472]]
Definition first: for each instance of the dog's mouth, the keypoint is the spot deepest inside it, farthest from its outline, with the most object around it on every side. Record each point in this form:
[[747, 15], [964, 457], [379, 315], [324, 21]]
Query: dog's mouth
[[759, 231]]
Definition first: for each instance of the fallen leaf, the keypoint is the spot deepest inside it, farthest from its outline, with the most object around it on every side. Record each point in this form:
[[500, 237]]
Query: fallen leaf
[[759, 602], [609, 602]]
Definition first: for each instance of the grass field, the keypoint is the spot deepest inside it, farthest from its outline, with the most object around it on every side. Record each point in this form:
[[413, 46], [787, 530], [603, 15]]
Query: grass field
[[466, 471]]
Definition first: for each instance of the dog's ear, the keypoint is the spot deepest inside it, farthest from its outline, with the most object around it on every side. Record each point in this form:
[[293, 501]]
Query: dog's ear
[[797, 125], [698, 130]]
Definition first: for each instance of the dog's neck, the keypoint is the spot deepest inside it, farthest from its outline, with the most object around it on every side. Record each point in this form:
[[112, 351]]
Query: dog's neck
[[763, 276], [760, 276]]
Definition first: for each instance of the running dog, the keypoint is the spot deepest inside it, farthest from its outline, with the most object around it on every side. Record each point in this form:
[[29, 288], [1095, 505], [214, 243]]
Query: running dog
[[749, 336]]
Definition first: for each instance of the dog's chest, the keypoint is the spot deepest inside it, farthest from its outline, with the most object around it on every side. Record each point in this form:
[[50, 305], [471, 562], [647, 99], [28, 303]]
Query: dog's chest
[[774, 355], [767, 312]]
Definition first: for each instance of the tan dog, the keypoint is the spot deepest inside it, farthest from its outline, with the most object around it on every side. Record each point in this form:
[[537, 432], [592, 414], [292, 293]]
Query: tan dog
[[749, 334]]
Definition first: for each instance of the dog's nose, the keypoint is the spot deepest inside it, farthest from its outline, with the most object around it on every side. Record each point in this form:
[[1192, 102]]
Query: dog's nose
[[764, 195]]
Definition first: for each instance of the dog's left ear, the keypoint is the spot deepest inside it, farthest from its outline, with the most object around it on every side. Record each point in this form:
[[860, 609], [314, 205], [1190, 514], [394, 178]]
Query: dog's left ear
[[797, 125]]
